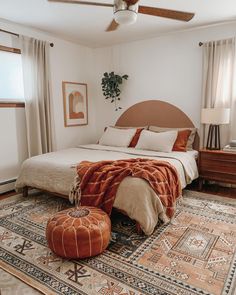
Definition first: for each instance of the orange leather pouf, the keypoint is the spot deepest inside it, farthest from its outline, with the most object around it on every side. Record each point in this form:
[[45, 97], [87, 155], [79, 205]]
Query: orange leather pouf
[[79, 232]]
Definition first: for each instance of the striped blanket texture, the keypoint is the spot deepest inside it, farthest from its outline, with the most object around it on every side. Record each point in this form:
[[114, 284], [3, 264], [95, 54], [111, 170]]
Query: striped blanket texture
[[96, 183]]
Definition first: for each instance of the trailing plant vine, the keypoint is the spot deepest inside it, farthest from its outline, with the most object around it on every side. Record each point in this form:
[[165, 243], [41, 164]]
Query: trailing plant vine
[[111, 83]]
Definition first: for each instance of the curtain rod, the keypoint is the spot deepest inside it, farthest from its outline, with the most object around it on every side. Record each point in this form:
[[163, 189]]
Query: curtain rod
[[217, 41], [17, 35]]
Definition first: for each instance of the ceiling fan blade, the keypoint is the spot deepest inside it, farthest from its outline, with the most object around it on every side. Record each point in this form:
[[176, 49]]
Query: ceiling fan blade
[[161, 12], [113, 26], [82, 2]]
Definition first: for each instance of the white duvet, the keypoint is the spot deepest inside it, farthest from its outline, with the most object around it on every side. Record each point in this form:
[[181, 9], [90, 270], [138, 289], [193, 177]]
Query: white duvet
[[55, 172]]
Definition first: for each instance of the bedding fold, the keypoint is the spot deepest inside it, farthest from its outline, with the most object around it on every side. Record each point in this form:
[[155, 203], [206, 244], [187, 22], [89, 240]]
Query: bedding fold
[[96, 183]]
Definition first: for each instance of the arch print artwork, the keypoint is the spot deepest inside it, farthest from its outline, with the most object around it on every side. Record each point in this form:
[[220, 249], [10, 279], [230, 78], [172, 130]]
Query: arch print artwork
[[75, 102]]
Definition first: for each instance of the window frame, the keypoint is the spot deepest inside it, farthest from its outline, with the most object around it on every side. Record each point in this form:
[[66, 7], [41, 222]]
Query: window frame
[[6, 103], [10, 49]]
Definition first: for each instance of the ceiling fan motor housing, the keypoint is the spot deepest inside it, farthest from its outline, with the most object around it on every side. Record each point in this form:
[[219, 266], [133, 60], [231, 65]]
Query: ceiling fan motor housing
[[124, 13]]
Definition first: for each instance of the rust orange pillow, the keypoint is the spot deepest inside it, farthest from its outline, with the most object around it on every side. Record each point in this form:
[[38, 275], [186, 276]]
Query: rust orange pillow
[[135, 139], [180, 144]]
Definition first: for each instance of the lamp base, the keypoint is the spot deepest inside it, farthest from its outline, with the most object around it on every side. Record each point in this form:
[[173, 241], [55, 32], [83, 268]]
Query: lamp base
[[213, 138]]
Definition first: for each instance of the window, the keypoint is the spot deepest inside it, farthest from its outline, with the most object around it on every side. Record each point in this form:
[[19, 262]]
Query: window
[[11, 77]]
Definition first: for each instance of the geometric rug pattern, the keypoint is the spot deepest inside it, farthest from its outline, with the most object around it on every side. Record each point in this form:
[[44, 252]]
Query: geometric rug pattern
[[194, 254]]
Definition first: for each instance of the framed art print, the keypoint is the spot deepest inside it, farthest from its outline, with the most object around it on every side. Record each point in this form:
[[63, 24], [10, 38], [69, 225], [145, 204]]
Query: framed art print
[[75, 100]]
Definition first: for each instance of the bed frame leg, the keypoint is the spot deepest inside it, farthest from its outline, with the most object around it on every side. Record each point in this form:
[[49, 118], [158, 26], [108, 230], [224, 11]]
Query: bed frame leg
[[25, 191]]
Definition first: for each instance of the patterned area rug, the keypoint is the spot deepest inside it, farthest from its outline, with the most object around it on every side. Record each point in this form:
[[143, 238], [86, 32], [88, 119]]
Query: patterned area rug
[[194, 254]]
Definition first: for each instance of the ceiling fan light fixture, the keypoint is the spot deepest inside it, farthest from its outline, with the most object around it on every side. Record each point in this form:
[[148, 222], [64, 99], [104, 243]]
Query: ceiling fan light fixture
[[125, 17]]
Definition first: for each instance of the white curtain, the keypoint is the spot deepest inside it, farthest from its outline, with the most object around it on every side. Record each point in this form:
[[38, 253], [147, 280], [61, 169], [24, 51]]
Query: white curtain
[[219, 85], [35, 64]]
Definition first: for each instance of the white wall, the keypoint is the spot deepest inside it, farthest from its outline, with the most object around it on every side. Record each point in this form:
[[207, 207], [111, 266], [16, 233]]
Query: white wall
[[13, 150], [72, 63], [167, 68]]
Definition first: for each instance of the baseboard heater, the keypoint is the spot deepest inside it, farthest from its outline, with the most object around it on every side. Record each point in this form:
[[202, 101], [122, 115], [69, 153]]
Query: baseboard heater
[[7, 185]]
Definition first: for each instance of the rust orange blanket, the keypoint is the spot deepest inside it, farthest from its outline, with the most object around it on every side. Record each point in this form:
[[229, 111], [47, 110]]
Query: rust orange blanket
[[96, 183]]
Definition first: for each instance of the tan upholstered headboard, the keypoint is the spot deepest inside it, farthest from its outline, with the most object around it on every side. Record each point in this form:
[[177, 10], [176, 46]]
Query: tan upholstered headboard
[[156, 113]]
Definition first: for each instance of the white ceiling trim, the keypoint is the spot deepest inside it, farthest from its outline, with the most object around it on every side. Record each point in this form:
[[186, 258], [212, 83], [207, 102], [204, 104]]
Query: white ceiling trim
[[30, 31], [86, 25]]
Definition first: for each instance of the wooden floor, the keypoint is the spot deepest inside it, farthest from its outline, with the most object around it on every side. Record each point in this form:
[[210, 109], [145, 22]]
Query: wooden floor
[[6, 195], [210, 189], [214, 189]]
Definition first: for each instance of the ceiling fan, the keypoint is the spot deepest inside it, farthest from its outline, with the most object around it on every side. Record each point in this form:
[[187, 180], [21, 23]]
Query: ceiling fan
[[126, 11]]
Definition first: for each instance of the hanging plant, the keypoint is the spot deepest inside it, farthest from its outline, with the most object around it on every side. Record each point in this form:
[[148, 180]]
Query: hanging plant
[[111, 83]]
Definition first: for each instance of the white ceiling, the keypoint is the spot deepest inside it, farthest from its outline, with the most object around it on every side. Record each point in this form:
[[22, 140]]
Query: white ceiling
[[86, 24]]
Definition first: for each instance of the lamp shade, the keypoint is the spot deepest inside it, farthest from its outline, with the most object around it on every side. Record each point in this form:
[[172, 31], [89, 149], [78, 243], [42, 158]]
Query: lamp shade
[[215, 116]]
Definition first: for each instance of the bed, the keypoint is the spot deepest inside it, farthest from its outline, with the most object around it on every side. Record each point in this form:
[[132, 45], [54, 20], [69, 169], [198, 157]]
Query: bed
[[55, 172]]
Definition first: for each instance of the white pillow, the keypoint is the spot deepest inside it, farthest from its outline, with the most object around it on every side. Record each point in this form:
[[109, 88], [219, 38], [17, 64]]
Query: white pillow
[[160, 142], [190, 139], [117, 137]]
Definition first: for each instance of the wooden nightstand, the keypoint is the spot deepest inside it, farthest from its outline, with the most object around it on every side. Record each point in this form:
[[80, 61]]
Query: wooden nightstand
[[217, 165]]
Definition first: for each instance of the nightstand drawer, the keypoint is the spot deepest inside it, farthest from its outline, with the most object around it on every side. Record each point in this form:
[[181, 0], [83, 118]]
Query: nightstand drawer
[[225, 157], [217, 176], [218, 165]]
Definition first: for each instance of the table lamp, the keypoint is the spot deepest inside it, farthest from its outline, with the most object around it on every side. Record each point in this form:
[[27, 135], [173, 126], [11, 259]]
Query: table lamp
[[214, 117]]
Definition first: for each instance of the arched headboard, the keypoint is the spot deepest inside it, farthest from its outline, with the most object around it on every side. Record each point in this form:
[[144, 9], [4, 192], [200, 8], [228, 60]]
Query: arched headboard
[[156, 113]]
